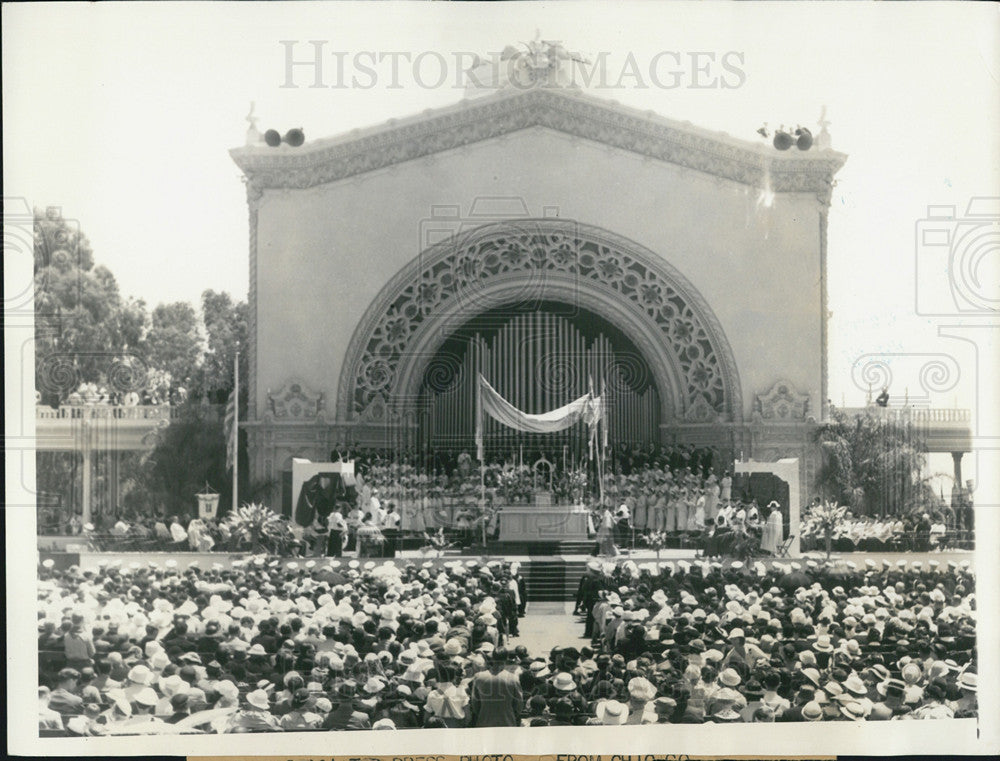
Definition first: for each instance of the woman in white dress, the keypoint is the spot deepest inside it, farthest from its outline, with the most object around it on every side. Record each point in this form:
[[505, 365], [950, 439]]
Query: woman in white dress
[[772, 535]]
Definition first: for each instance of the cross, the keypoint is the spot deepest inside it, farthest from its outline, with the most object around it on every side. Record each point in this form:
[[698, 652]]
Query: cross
[[823, 122]]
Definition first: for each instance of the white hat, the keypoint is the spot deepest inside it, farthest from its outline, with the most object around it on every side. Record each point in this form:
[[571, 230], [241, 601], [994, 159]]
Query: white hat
[[259, 699], [729, 677], [641, 688], [611, 712], [146, 696]]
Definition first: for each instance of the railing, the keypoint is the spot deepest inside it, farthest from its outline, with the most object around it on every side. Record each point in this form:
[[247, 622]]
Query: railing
[[106, 412], [912, 414]]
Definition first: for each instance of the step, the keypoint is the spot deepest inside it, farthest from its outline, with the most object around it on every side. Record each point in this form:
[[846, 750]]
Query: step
[[552, 580]]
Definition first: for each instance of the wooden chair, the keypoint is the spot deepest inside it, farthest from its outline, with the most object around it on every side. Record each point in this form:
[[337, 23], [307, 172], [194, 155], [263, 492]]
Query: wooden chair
[[782, 550]]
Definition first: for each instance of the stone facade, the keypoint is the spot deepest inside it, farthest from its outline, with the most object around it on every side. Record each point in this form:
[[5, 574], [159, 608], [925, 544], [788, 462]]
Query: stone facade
[[366, 247]]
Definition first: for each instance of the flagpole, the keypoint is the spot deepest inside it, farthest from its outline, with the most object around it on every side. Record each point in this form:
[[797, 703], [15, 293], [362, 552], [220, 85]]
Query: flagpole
[[481, 453], [236, 430]]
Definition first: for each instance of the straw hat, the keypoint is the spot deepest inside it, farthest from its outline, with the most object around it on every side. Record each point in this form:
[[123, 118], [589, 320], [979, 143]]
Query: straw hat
[[853, 710], [729, 677], [564, 682], [539, 669], [611, 712], [967, 681], [258, 699], [641, 688], [812, 711]]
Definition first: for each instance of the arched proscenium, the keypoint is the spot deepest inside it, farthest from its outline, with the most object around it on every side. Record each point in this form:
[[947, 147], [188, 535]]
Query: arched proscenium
[[534, 260]]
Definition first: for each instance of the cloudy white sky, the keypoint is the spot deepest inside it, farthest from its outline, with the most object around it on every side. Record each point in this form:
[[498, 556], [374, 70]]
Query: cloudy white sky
[[123, 115]]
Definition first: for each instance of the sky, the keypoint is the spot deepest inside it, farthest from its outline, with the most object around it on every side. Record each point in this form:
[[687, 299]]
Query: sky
[[123, 116]]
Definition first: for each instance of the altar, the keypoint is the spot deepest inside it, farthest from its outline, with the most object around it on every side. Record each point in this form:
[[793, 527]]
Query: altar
[[537, 523]]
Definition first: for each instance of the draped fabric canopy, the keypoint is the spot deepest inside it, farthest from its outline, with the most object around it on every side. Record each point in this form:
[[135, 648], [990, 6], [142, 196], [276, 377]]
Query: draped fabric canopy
[[587, 409]]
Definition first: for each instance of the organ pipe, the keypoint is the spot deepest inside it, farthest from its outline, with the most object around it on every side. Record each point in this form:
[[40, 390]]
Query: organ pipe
[[539, 361]]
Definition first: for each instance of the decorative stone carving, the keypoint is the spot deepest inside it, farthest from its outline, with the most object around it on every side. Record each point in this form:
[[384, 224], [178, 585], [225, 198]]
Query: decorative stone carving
[[376, 410], [458, 271], [295, 401], [782, 402], [700, 411], [565, 111]]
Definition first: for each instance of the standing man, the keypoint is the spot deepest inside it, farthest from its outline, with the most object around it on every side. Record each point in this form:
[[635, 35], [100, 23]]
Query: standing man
[[354, 520], [605, 533], [712, 491], [390, 529], [496, 697], [519, 588], [507, 607], [337, 531]]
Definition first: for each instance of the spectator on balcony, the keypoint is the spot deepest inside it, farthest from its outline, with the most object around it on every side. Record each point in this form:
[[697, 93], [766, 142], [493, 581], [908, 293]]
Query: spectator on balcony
[[882, 400]]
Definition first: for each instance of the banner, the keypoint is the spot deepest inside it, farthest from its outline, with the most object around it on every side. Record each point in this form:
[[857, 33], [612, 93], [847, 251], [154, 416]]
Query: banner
[[208, 504], [587, 409]]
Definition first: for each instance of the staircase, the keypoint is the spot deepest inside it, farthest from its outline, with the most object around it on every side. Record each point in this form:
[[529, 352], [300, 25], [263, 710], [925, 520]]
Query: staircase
[[551, 579]]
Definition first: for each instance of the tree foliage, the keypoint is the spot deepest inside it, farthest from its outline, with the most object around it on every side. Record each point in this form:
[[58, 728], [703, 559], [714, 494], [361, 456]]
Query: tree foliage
[[83, 326], [226, 331], [87, 332], [188, 454], [873, 464], [173, 344]]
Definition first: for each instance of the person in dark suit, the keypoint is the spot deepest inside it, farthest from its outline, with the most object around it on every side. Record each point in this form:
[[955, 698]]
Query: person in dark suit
[[496, 698]]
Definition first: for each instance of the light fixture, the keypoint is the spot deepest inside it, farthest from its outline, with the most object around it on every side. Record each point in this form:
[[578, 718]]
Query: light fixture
[[294, 137]]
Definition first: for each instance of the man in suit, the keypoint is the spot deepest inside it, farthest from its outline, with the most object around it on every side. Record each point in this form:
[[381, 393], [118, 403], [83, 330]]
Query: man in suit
[[496, 698]]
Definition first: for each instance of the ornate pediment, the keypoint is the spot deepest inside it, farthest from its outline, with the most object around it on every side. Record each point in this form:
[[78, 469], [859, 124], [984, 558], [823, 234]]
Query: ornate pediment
[[295, 401], [782, 402], [509, 111]]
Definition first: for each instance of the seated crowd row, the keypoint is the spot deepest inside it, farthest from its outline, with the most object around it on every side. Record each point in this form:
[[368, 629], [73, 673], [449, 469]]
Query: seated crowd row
[[314, 645]]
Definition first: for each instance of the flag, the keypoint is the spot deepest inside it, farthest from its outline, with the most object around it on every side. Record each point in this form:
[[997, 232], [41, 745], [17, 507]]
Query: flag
[[479, 419], [604, 418], [228, 426]]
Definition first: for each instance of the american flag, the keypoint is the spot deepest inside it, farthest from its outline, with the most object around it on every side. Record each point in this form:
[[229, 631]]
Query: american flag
[[228, 426]]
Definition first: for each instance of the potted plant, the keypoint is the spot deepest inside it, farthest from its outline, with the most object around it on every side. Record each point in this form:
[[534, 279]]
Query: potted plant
[[437, 543], [828, 516], [657, 540]]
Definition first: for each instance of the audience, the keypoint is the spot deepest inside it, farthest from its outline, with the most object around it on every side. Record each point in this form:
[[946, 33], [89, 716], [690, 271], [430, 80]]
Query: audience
[[316, 645]]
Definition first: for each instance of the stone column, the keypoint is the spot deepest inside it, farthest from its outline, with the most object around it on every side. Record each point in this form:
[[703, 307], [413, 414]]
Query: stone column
[[86, 497], [956, 488]]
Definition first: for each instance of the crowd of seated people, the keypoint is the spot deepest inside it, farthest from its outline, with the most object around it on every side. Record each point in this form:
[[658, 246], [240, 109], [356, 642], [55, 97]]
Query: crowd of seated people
[[266, 646], [909, 532], [269, 646], [700, 642]]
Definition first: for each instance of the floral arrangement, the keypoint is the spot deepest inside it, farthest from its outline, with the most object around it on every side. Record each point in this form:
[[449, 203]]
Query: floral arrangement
[[656, 540], [437, 542], [826, 518], [257, 528], [570, 486], [516, 485]]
